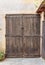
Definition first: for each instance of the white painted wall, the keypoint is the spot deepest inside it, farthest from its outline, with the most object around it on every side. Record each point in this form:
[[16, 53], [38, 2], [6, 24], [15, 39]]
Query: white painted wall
[[19, 6]]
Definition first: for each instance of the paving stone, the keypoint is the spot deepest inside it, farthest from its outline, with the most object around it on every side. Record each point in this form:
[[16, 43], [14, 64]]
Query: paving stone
[[23, 61]]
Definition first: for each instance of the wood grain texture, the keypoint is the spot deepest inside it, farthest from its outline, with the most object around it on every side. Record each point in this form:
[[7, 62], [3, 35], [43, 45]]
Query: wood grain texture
[[23, 35]]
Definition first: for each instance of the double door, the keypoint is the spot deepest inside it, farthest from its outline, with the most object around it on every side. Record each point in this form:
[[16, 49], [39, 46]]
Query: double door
[[22, 36]]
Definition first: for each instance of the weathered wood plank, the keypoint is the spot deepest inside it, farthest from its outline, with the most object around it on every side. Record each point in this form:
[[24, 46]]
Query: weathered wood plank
[[22, 35]]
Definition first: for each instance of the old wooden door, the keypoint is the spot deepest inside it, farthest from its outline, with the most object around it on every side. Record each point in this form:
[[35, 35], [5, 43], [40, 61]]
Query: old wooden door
[[22, 34]]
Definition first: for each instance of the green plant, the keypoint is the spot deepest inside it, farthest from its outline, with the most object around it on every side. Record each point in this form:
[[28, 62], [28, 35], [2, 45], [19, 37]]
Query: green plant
[[2, 56]]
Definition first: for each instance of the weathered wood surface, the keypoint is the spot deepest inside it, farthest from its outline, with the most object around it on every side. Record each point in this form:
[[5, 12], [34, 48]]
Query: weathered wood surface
[[23, 35]]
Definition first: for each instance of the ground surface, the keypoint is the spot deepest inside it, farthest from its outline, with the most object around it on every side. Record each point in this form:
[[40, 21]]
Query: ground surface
[[23, 61]]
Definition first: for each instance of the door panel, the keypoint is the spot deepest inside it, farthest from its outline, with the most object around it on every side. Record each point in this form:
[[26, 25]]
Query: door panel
[[9, 25], [30, 36], [16, 25], [27, 25], [36, 26], [14, 36], [9, 46]]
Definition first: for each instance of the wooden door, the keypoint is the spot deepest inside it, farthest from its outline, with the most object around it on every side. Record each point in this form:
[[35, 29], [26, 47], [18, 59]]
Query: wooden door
[[31, 36], [14, 36], [22, 34]]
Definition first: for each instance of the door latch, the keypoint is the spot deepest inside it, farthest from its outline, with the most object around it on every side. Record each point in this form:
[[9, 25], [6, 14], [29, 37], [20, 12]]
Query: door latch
[[22, 28]]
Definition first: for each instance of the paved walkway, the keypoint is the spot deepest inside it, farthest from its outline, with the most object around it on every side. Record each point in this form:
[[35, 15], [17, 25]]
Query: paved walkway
[[23, 61]]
